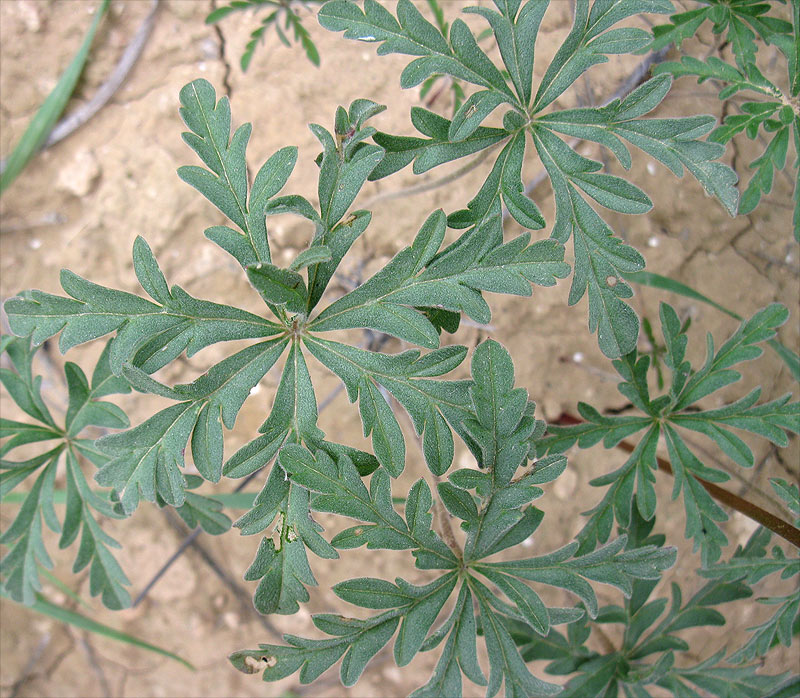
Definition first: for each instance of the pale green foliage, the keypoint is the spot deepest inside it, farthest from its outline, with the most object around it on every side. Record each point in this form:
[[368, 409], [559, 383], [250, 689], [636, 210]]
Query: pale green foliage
[[600, 258], [278, 11], [646, 659], [496, 517], [777, 116], [85, 409], [478, 584], [632, 485]]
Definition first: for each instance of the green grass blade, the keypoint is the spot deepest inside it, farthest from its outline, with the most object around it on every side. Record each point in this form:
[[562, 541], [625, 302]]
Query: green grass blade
[[82, 622], [648, 278], [55, 581], [51, 109]]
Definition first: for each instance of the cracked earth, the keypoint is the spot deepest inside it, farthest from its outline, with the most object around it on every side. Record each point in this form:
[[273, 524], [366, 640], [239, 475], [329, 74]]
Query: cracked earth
[[81, 203]]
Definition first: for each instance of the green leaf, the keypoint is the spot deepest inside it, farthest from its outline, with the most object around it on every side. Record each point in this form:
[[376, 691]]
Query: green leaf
[[501, 427], [274, 18], [338, 240], [419, 606], [773, 159], [225, 185], [342, 175], [458, 502], [267, 504], [636, 472], [411, 34], [516, 31], [437, 149], [22, 433], [647, 278], [722, 680], [105, 574], [452, 280], [459, 653], [682, 26], [472, 113], [340, 490], [701, 510], [526, 600], [216, 398], [146, 459], [505, 662], [283, 569], [282, 572], [295, 406], [255, 454], [589, 41], [24, 389], [778, 628], [789, 493], [84, 409], [741, 346], [19, 567], [505, 180], [279, 286], [205, 512], [184, 323], [609, 564], [674, 143], [432, 405], [358, 640], [600, 258], [313, 255], [426, 603], [715, 69], [271, 177]]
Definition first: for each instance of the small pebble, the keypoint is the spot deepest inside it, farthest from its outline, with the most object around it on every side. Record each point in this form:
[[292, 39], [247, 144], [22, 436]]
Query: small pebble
[[565, 485], [79, 176]]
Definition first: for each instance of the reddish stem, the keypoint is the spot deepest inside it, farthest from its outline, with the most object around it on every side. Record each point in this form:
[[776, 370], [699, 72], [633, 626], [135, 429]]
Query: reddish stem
[[778, 526]]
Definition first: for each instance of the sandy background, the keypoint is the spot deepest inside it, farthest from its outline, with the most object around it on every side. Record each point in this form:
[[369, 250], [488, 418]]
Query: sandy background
[[81, 203]]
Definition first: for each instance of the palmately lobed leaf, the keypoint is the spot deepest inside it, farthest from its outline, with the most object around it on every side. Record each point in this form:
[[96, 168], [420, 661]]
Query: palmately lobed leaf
[[19, 568]]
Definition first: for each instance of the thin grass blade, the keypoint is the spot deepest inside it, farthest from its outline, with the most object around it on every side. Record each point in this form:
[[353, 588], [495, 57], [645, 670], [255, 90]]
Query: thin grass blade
[[51, 109]]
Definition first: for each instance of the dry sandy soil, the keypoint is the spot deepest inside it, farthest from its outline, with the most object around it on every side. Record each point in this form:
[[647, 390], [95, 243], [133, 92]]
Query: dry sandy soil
[[81, 203]]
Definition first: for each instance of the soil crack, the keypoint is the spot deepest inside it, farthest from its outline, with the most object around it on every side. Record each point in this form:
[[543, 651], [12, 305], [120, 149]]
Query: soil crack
[[223, 56]]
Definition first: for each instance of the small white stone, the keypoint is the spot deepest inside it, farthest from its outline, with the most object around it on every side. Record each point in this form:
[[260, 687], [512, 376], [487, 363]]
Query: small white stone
[[35, 244], [79, 176], [29, 14], [651, 168], [577, 357], [653, 241], [393, 674], [565, 485], [255, 390]]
